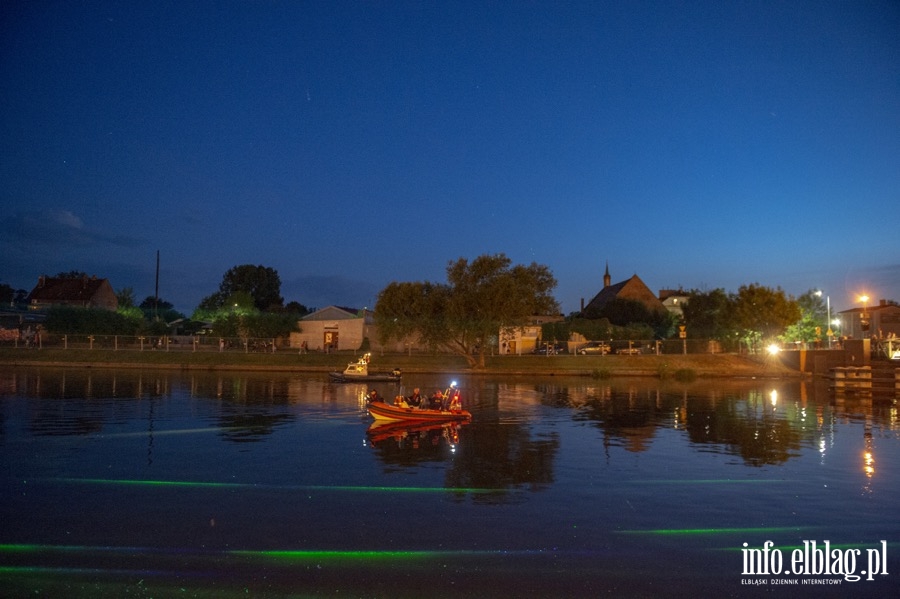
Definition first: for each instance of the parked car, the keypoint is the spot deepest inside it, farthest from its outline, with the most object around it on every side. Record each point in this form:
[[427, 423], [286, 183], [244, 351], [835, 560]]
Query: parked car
[[554, 349], [594, 347], [629, 351]]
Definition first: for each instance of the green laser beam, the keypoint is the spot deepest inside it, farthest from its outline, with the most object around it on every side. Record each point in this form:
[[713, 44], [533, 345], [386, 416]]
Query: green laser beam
[[176, 431], [349, 488], [706, 481], [710, 531], [299, 554]]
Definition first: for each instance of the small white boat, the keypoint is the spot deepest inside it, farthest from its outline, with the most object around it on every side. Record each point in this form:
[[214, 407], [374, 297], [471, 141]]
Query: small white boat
[[359, 371]]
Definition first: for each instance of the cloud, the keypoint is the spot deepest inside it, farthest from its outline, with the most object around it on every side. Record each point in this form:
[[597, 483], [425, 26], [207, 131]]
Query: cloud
[[58, 228]]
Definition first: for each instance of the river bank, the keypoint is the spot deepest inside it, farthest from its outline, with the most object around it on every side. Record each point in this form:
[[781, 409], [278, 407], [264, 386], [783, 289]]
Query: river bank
[[661, 366]]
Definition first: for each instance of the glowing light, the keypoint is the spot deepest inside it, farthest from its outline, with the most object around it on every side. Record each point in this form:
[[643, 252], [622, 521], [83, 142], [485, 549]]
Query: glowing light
[[773, 349], [773, 397]]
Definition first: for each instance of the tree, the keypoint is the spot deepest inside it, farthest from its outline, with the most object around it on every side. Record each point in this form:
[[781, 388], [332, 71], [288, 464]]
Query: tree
[[763, 313], [156, 309], [481, 298], [151, 303], [297, 308], [261, 282], [69, 320], [6, 293], [709, 315], [629, 313], [11, 296], [813, 319], [126, 297]]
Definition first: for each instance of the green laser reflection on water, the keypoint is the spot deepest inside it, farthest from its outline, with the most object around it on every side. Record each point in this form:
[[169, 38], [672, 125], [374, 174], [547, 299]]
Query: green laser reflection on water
[[286, 554], [711, 531], [174, 431], [706, 481], [325, 556], [200, 485]]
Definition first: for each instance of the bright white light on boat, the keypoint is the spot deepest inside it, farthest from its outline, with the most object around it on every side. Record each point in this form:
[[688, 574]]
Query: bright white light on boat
[[453, 384], [773, 349]]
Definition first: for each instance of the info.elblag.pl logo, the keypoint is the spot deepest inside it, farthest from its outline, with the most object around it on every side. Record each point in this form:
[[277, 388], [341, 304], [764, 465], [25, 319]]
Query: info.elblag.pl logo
[[813, 559]]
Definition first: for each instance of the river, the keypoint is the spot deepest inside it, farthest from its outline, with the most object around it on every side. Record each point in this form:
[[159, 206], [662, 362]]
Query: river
[[189, 484]]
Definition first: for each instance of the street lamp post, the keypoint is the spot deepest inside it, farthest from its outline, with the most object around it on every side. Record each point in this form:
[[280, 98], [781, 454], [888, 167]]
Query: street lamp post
[[829, 333], [864, 316]]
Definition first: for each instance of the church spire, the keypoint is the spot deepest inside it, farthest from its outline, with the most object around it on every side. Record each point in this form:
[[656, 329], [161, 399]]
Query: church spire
[[607, 281]]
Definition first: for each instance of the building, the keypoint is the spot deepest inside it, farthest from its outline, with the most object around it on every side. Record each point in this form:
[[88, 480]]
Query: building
[[673, 300], [523, 340], [633, 289], [81, 292], [881, 321], [337, 328], [334, 328]]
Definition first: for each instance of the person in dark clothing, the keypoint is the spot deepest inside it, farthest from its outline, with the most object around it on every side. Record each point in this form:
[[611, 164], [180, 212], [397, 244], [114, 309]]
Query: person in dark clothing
[[415, 400]]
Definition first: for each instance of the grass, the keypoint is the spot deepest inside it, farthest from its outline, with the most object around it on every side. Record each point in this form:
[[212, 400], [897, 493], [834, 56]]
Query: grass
[[681, 367]]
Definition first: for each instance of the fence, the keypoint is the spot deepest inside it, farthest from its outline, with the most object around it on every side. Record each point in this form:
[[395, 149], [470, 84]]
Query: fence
[[210, 343], [170, 343]]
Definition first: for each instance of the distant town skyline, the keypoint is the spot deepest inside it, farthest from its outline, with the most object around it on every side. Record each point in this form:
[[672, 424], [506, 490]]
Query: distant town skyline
[[699, 145]]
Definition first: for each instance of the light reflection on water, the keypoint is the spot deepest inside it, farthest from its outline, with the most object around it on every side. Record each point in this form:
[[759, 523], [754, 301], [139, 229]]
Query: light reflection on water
[[117, 481]]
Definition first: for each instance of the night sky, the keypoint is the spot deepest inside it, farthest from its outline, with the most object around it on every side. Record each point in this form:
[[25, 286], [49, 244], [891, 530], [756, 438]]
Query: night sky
[[351, 144]]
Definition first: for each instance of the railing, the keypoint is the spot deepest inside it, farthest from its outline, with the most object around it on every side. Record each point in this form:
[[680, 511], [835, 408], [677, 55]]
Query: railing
[[178, 343]]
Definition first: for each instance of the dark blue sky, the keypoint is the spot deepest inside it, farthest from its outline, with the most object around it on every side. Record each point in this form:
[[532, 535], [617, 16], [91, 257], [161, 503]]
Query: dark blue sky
[[349, 144]]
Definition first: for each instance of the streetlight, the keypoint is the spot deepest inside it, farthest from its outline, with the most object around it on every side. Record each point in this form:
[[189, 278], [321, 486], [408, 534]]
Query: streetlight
[[864, 317], [830, 333]]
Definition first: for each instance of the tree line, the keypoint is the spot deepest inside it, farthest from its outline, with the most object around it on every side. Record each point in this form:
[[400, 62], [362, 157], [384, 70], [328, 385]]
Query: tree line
[[247, 304], [465, 314]]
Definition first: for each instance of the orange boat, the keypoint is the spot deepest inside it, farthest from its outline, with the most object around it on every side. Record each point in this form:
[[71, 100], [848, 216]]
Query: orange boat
[[380, 410], [400, 410]]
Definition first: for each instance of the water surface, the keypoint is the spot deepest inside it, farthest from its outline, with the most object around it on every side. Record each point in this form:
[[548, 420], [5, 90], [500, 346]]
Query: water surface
[[158, 483]]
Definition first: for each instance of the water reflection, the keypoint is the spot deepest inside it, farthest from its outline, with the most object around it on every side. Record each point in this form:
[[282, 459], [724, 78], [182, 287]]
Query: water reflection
[[404, 443], [228, 465]]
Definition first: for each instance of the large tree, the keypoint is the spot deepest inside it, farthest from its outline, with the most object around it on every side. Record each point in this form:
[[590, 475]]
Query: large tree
[[764, 313], [813, 322], [480, 298], [261, 282], [709, 314]]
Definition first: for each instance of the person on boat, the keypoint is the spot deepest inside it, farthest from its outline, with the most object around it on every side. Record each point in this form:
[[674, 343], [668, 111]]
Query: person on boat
[[415, 400], [436, 399], [373, 396]]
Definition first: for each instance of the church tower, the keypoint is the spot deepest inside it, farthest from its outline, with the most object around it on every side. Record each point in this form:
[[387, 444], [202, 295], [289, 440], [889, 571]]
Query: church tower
[[607, 281]]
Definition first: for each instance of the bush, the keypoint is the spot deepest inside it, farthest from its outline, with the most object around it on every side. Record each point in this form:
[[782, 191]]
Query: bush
[[600, 373], [68, 320], [685, 375]]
